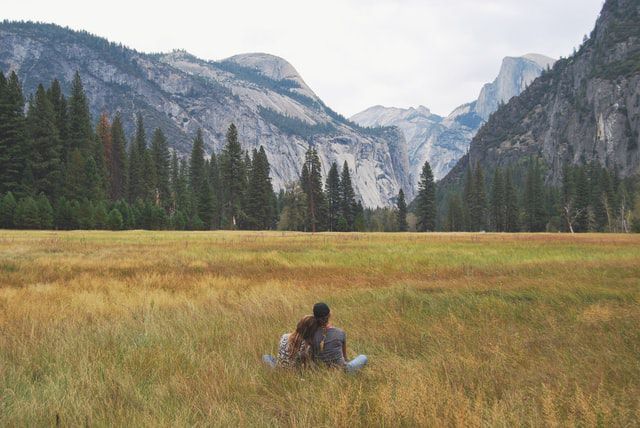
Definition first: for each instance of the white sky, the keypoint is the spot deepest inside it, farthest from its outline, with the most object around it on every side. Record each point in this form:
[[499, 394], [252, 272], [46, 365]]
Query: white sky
[[352, 53]]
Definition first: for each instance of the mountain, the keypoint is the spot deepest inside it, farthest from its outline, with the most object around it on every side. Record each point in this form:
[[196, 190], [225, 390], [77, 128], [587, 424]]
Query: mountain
[[262, 94], [586, 109], [443, 141]]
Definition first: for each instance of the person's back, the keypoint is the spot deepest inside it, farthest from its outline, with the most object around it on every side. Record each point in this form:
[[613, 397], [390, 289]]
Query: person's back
[[328, 346]]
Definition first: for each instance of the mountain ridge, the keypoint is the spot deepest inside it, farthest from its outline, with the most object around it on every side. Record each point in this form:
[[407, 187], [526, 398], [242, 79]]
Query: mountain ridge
[[444, 140], [178, 92], [585, 109]]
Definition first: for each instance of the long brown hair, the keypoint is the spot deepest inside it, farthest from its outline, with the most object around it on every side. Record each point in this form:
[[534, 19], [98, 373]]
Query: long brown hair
[[305, 330]]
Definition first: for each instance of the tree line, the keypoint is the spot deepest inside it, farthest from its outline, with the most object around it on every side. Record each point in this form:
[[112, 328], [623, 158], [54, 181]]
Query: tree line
[[590, 199], [59, 171]]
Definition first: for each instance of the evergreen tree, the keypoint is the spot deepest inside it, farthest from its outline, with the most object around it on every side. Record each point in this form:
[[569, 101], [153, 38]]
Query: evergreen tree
[[199, 183], [583, 197], [8, 206], [114, 220], [233, 179], [426, 201], [102, 152], [512, 212], [469, 200], [12, 134], [479, 207], [44, 145], [75, 176], [93, 186], [455, 215], [175, 173], [294, 210], [80, 131], [534, 200], [162, 165], [63, 216], [332, 190], [138, 164], [402, 212], [216, 190], [45, 212], [347, 201], [498, 203], [26, 214], [260, 193], [311, 182], [59, 105], [117, 164]]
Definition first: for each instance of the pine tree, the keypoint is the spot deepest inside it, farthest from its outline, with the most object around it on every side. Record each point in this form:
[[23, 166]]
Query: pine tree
[[534, 200], [402, 212], [162, 160], [216, 190], [479, 211], [103, 152], [45, 212], [259, 193], [138, 159], [583, 197], [44, 145], [63, 215], [114, 220], [294, 209], [426, 201], [26, 214], [75, 176], [8, 206], [498, 204], [80, 131], [117, 164], [332, 190], [469, 200], [311, 182], [12, 134], [198, 182], [455, 215], [59, 105], [347, 200], [233, 179], [512, 213], [93, 186]]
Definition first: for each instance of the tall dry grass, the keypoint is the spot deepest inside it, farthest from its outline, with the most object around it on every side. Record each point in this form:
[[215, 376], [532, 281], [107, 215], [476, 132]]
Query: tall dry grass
[[165, 329]]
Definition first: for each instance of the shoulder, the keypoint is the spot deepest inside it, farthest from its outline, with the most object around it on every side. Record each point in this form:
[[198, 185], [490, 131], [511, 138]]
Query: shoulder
[[338, 332], [285, 338]]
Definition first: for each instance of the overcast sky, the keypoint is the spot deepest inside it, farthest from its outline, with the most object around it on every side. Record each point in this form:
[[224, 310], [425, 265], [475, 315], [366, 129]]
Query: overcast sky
[[352, 53]]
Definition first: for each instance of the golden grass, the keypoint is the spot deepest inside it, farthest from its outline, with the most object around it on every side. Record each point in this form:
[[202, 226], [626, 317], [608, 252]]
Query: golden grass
[[167, 328]]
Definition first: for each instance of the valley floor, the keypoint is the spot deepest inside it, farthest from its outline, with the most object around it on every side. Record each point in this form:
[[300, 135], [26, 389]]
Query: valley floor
[[167, 328]]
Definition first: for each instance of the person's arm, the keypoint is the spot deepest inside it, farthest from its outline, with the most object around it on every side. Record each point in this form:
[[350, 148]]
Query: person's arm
[[344, 346]]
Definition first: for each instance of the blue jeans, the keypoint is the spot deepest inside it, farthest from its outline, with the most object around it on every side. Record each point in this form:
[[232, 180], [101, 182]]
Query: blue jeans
[[356, 364], [269, 360], [352, 366]]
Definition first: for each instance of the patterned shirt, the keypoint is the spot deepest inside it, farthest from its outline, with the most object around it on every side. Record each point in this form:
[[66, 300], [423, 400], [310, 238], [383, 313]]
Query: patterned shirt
[[284, 360]]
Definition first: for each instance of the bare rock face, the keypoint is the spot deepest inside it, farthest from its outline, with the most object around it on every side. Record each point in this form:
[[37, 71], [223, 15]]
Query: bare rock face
[[262, 94], [586, 109], [444, 140]]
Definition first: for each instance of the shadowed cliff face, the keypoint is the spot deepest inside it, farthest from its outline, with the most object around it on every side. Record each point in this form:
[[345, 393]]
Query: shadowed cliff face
[[262, 94], [587, 108], [444, 140]]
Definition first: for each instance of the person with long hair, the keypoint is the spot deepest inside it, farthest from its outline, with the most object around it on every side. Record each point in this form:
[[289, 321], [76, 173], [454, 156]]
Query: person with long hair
[[329, 344], [294, 349]]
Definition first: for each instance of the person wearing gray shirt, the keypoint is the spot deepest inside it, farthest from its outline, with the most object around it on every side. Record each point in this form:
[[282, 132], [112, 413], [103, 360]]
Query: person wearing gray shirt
[[329, 344]]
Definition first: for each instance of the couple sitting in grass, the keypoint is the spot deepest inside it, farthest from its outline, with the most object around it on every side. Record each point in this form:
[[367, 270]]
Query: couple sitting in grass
[[315, 340]]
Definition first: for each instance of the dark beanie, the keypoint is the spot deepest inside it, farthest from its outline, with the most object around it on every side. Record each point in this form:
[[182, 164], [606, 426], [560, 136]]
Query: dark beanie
[[321, 310]]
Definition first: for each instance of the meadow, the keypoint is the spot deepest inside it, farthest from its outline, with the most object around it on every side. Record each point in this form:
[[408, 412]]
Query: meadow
[[167, 329]]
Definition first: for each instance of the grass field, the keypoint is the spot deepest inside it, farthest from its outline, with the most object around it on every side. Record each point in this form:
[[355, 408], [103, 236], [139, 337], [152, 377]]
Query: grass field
[[167, 328]]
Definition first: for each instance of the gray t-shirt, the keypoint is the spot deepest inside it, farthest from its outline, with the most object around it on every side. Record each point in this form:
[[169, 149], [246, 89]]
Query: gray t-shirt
[[332, 350]]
